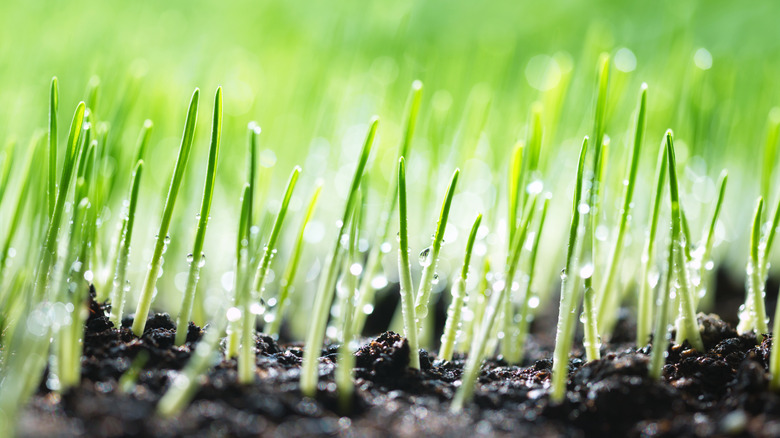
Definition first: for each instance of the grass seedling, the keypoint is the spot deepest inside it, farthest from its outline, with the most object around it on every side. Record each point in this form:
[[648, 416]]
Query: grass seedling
[[381, 243], [753, 314], [242, 293], [347, 291], [452, 325], [646, 284], [490, 317], [33, 150], [53, 107], [661, 336], [429, 257], [405, 272], [49, 250], [564, 335], [246, 358], [196, 259], [592, 341], [325, 290], [147, 294], [476, 306], [609, 297], [524, 323], [687, 327], [705, 255], [286, 284], [120, 284]]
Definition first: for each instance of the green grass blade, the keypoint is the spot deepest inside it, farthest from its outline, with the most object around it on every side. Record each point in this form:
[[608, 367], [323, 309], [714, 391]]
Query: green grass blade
[[645, 305], [515, 189], [119, 282], [687, 326], [241, 288], [33, 149], [490, 318], [49, 250], [609, 296], [246, 360], [405, 272], [5, 170], [147, 294], [325, 290], [196, 259], [288, 278], [569, 296], [524, 323], [347, 290], [53, 106], [770, 152], [367, 290], [143, 140], [429, 257], [661, 336], [452, 325], [705, 263]]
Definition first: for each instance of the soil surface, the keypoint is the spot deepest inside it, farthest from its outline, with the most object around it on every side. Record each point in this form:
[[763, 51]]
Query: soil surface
[[721, 392]]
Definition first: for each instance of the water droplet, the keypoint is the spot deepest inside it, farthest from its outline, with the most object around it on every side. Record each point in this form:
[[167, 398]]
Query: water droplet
[[385, 247], [257, 308], [368, 309], [425, 257], [202, 261], [233, 314], [190, 258], [435, 279], [167, 240], [379, 282], [356, 269], [533, 302], [586, 271], [709, 265]]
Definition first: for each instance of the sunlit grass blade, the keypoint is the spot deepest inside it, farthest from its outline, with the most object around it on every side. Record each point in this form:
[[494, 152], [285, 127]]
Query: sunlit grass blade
[[347, 291], [705, 263], [241, 285], [752, 316], [645, 304], [405, 272], [147, 294], [523, 325], [661, 336], [49, 250], [452, 325], [515, 189], [286, 284], [569, 293], [381, 242], [196, 258], [770, 152], [325, 290], [687, 326], [246, 359], [429, 257], [490, 318], [33, 150], [120, 285], [609, 293], [53, 107]]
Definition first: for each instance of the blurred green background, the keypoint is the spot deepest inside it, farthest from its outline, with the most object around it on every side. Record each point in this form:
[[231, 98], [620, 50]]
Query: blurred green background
[[312, 73]]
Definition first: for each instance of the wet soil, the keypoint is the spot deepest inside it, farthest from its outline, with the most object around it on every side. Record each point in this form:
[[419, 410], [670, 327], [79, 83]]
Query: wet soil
[[720, 392]]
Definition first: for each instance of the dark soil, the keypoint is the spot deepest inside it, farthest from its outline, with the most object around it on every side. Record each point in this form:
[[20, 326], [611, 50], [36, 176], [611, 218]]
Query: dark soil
[[722, 392]]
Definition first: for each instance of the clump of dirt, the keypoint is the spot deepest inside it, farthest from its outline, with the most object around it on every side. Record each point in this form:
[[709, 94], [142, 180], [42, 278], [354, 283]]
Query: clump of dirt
[[721, 391]]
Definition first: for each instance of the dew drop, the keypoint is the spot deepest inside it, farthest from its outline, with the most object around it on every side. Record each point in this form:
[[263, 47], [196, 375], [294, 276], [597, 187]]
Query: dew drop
[[425, 257]]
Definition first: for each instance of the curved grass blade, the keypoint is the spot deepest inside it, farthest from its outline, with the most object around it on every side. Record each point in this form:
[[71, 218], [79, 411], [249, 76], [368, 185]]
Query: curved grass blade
[[145, 302], [49, 250], [120, 286], [609, 296], [489, 319], [687, 326], [196, 258], [325, 290], [288, 278], [569, 294], [380, 246], [452, 325], [429, 257], [246, 359]]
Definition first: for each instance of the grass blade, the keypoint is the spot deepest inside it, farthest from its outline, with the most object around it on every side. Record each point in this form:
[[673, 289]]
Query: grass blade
[[145, 302], [53, 106], [196, 258], [405, 272], [325, 290]]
